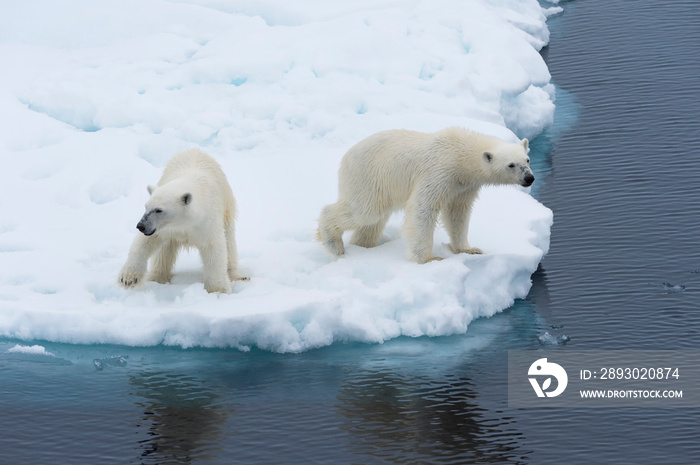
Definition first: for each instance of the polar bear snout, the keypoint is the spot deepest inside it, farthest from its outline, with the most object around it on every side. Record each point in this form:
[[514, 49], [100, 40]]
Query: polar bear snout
[[525, 176], [145, 226], [146, 232]]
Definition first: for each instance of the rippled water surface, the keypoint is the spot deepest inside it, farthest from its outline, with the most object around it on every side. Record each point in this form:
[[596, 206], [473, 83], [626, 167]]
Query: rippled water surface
[[620, 170]]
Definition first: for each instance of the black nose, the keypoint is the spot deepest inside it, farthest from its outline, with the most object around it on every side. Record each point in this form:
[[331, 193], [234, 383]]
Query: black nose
[[141, 227], [529, 179]]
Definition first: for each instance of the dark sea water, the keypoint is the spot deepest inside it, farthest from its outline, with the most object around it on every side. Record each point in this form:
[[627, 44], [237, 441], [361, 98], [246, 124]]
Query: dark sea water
[[621, 171]]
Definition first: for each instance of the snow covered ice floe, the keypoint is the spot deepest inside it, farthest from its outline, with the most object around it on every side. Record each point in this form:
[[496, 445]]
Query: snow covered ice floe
[[101, 95], [29, 350]]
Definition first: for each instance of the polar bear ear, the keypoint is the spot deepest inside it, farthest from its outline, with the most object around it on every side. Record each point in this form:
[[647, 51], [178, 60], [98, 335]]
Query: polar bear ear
[[186, 198], [525, 143], [488, 156], [150, 189]]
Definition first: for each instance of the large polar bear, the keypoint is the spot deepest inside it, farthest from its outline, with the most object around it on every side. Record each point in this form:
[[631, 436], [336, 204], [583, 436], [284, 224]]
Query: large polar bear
[[192, 206], [426, 174]]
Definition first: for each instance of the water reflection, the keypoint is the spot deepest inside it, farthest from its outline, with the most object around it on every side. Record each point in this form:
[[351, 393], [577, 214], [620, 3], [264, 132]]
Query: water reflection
[[184, 418], [403, 419]]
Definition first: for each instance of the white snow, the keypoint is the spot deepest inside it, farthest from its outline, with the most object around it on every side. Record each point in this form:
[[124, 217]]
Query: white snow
[[97, 96], [29, 350]]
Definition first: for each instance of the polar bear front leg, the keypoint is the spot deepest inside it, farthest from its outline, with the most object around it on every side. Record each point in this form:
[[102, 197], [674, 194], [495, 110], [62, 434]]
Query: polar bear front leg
[[163, 262], [456, 220], [214, 261], [419, 227], [134, 270]]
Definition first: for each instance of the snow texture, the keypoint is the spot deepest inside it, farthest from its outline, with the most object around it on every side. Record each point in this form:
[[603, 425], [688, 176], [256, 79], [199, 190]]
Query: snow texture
[[97, 96], [29, 350]]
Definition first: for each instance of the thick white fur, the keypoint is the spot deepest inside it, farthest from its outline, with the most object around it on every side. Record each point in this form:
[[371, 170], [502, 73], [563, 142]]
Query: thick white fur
[[424, 173], [192, 206]]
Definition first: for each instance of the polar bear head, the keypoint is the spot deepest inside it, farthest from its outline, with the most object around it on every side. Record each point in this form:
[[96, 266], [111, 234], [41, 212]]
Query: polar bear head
[[167, 209], [509, 164]]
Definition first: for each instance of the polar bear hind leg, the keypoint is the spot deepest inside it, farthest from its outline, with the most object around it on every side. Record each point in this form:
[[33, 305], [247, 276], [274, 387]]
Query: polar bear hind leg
[[369, 235], [232, 253], [335, 219]]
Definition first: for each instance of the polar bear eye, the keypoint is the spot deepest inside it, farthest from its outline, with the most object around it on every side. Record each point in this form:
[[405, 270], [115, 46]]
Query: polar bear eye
[[158, 210], [512, 165], [528, 161]]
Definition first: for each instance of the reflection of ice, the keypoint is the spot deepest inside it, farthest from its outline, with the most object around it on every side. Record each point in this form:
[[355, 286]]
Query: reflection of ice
[[566, 114], [539, 296]]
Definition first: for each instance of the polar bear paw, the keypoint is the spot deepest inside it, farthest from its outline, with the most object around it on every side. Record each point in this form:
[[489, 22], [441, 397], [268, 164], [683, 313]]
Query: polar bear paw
[[233, 275], [129, 279], [467, 250], [224, 287], [473, 251]]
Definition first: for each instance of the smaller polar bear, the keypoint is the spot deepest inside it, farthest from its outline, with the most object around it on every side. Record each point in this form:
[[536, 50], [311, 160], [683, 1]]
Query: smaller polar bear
[[424, 173], [192, 206]]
